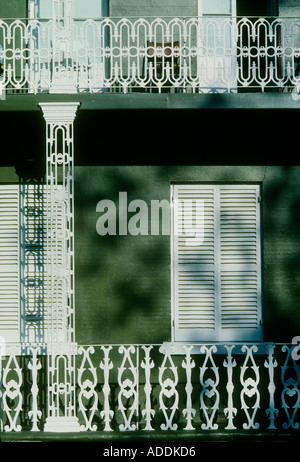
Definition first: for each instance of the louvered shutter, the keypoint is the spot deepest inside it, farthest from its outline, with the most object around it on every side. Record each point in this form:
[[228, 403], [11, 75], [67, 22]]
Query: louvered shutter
[[33, 264], [216, 268], [240, 263], [193, 266], [9, 263], [25, 292], [38, 291]]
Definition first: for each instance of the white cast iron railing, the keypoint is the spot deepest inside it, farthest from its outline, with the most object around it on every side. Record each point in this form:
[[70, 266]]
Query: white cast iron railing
[[197, 54], [230, 388]]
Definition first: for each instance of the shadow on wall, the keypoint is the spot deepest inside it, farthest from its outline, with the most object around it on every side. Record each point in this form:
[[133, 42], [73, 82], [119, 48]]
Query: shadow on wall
[[123, 282], [282, 254]]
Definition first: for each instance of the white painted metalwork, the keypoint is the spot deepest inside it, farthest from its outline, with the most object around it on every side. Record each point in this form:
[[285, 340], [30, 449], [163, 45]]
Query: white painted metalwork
[[147, 387], [291, 383], [34, 366], [188, 364], [197, 54], [128, 388], [168, 379], [147, 364], [230, 411], [60, 262], [271, 363], [60, 219], [250, 387], [209, 388], [63, 75], [87, 381], [12, 399], [107, 413]]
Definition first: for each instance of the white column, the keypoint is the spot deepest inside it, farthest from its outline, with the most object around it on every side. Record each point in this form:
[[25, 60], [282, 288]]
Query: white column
[[64, 75], [60, 267]]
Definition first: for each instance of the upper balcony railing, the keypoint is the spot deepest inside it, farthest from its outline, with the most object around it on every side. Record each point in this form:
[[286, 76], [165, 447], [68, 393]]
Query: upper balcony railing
[[195, 54]]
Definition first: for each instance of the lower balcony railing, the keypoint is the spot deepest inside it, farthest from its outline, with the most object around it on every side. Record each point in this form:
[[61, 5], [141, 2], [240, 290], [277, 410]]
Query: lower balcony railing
[[196, 54], [190, 388]]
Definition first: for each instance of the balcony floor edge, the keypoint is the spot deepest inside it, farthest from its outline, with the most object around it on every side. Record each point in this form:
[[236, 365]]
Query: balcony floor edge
[[140, 101], [152, 437]]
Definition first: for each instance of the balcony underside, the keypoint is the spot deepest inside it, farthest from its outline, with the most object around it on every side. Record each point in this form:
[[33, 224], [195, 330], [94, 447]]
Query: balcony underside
[[25, 102]]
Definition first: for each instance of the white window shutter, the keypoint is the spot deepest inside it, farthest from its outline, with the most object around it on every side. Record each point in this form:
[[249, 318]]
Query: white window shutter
[[240, 263], [9, 263], [41, 295], [33, 263], [194, 304], [25, 293], [216, 275]]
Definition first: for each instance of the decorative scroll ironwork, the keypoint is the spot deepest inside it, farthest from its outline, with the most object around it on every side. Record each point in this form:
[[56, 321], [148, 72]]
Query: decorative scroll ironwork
[[209, 388], [59, 386], [60, 263], [230, 411], [250, 387], [62, 63], [87, 381], [197, 54], [150, 387], [128, 383], [60, 217], [290, 395], [271, 363], [107, 413], [168, 396], [12, 399], [34, 366], [188, 364], [147, 364]]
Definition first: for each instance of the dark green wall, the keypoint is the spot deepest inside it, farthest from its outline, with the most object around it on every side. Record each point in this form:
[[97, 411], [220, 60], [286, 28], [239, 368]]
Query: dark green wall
[[123, 282], [13, 9], [153, 8], [18, 8]]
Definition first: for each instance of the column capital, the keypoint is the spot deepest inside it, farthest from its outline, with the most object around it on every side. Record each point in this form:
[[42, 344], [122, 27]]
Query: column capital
[[59, 112]]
